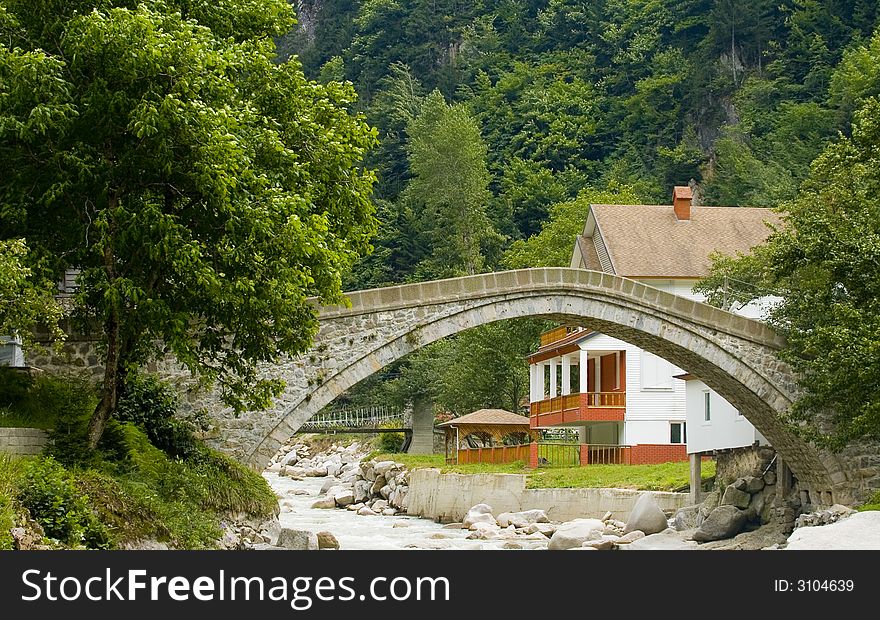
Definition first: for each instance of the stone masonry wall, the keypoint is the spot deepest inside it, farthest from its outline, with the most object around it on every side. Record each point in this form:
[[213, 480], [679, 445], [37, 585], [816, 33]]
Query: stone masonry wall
[[22, 441]]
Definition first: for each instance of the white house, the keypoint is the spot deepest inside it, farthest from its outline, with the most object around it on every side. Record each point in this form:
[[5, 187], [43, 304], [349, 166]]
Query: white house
[[620, 394]]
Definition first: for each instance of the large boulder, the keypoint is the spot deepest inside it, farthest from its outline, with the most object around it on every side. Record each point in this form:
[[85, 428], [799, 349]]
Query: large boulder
[[754, 484], [646, 516], [522, 519], [297, 540], [575, 533], [481, 513], [667, 540], [362, 490], [723, 522], [736, 497]]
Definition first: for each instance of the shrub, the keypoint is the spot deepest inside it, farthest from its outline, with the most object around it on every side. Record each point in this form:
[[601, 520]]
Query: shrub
[[50, 494], [391, 442], [70, 400], [14, 386], [9, 473], [153, 405]]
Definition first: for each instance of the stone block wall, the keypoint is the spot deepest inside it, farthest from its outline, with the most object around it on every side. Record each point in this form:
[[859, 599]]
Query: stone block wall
[[23, 441]]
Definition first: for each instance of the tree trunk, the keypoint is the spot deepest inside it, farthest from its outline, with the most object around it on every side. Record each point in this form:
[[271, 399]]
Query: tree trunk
[[110, 387], [112, 376]]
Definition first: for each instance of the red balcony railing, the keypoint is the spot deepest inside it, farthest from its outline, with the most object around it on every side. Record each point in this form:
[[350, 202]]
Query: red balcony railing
[[581, 407]]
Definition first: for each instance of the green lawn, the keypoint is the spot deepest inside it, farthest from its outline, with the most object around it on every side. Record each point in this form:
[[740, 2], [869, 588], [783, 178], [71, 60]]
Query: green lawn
[[663, 477]]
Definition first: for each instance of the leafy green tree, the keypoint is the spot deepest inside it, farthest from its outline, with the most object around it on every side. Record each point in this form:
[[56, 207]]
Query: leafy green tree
[[552, 247], [825, 263], [25, 301], [205, 191], [450, 187]]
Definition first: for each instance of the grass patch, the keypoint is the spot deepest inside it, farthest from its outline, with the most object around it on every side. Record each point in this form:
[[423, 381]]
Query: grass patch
[[662, 477], [10, 470], [871, 504]]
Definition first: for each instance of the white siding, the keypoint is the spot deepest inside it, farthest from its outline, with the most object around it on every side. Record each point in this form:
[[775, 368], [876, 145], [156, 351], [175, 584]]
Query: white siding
[[648, 411], [725, 429]]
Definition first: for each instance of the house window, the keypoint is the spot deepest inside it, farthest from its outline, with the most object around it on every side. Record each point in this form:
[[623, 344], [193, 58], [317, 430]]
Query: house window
[[707, 406], [656, 372], [677, 432]]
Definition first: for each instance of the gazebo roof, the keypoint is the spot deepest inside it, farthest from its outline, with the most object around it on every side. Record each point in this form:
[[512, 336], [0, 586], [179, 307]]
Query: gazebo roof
[[489, 417]]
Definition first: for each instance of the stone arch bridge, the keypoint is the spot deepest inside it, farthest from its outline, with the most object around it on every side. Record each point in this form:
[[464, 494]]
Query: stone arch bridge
[[735, 356]]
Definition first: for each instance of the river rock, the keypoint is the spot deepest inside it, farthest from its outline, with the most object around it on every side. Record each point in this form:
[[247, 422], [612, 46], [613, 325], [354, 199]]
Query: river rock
[[297, 540], [328, 484], [271, 530], [453, 526], [484, 531], [290, 458], [334, 467], [631, 537], [574, 533], [754, 484], [723, 522], [378, 483], [379, 505], [367, 470], [385, 491], [362, 490], [686, 518], [366, 511], [667, 540], [606, 543], [545, 529], [389, 512], [343, 497], [735, 497], [354, 507], [326, 540], [325, 502], [646, 516], [481, 513], [315, 472], [522, 519], [383, 467]]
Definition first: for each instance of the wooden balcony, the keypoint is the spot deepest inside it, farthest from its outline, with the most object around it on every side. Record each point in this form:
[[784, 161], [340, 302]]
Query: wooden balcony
[[581, 407]]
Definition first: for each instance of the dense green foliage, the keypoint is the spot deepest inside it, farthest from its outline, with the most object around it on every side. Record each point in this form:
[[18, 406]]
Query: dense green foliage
[[26, 301], [129, 489], [825, 263], [205, 190], [154, 406]]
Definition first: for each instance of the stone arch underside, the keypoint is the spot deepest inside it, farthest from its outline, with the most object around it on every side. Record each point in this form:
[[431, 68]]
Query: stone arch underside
[[732, 355]]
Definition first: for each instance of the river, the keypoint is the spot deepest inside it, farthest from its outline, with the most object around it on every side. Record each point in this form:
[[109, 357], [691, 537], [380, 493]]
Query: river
[[371, 532]]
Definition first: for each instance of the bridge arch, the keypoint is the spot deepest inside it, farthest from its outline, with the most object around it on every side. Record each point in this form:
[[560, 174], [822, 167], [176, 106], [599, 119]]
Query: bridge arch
[[733, 355]]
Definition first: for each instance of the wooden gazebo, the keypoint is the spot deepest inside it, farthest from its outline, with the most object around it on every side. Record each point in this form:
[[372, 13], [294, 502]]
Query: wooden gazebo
[[491, 424]]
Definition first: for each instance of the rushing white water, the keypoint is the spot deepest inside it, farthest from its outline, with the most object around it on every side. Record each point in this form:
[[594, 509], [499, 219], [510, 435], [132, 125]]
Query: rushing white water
[[371, 532]]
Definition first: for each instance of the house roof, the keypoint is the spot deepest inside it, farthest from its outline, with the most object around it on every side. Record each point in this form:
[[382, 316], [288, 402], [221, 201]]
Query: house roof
[[645, 241], [488, 417]]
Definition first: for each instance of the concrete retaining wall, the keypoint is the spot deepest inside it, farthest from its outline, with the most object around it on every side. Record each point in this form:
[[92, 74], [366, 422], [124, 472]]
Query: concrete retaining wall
[[447, 497], [22, 441]]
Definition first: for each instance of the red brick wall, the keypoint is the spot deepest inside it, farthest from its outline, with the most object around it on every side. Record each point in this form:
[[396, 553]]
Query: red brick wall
[[652, 453]]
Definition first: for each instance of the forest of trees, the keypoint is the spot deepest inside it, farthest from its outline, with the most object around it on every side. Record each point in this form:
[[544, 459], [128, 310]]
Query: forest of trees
[[501, 120]]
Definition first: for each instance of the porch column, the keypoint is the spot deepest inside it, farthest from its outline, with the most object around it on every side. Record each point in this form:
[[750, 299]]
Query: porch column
[[598, 373], [533, 383], [553, 383], [696, 479], [543, 373], [566, 375], [582, 371]]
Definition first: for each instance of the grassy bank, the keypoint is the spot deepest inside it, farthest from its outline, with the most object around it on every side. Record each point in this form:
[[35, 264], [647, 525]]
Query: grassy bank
[[149, 480], [663, 477]]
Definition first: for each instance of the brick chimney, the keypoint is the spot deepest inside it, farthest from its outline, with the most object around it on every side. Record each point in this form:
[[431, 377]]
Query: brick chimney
[[681, 202]]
